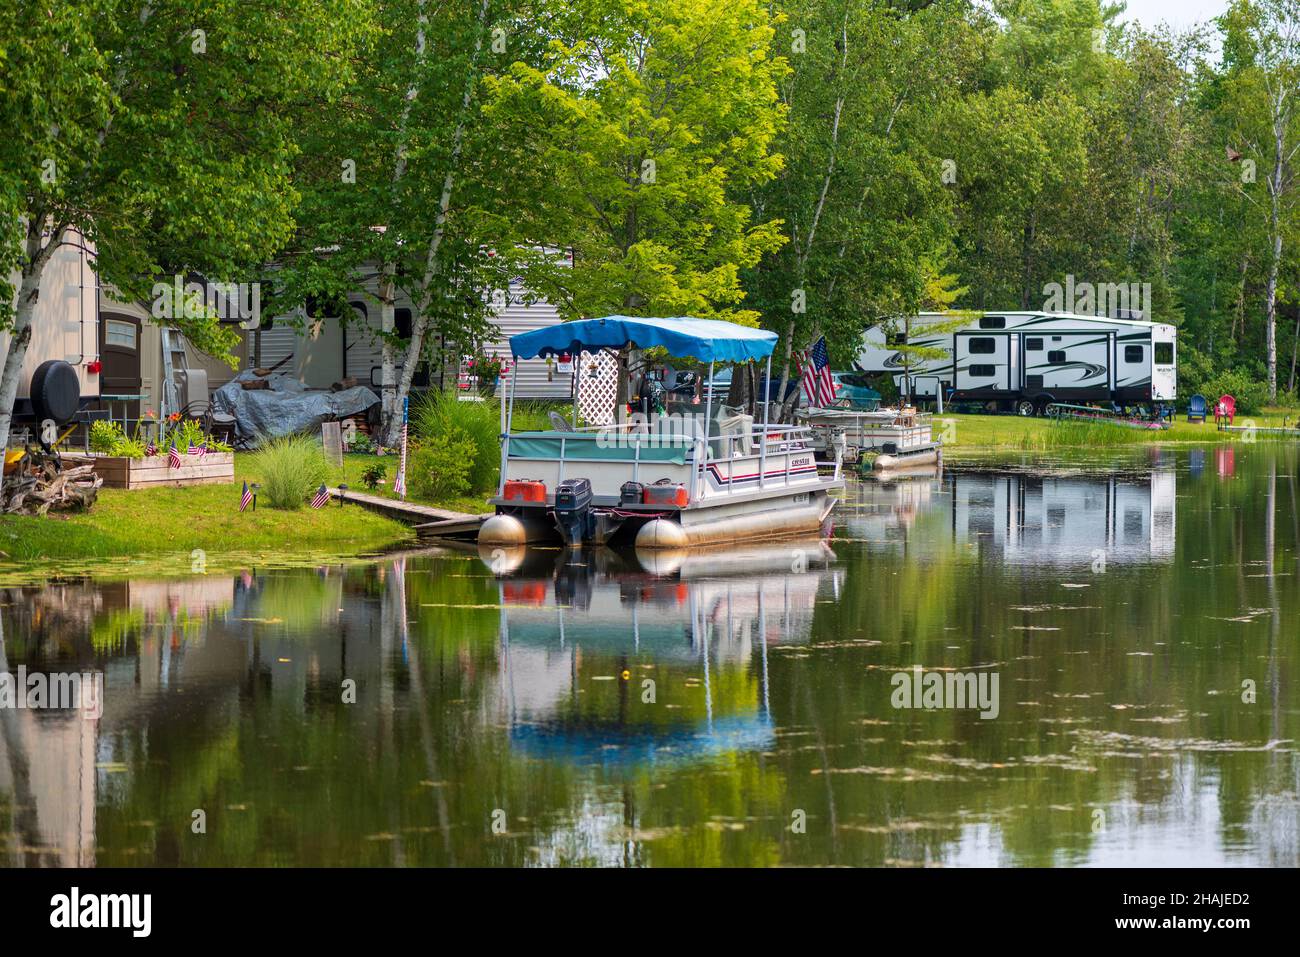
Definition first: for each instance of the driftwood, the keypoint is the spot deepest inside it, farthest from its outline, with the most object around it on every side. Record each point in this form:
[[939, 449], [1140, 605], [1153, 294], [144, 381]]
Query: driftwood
[[42, 488]]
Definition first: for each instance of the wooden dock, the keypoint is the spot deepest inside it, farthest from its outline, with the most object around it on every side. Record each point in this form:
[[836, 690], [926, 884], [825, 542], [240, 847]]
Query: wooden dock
[[430, 522]]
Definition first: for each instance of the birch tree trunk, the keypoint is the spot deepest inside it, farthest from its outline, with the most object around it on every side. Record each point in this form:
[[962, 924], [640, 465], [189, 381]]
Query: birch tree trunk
[[422, 318], [388, 405], [1275, 196], [804, 253], [35, 258]]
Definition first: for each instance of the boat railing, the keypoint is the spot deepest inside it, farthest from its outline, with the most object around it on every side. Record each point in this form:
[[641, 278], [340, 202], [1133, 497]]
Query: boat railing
[[762, 441]]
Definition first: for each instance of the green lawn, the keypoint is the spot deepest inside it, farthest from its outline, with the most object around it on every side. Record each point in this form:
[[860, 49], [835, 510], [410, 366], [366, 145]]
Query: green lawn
[[164, 526], [973, 435]]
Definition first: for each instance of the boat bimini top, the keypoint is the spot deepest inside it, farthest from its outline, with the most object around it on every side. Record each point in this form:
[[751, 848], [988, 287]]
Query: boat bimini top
[[709, 340]]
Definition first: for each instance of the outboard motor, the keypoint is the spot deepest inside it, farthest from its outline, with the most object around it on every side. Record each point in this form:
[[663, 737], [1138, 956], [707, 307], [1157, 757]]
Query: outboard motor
[[573, 514]]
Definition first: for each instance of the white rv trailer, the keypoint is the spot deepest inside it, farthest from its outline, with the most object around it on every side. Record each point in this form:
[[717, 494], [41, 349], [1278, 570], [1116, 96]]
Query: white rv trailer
[[1021, 361]]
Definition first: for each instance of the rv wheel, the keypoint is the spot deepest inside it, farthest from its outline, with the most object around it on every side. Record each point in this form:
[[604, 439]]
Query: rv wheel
[[1025, 407]]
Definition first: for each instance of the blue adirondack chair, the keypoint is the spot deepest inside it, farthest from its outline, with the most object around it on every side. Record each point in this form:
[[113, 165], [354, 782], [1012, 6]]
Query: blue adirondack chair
[[1196, 409]]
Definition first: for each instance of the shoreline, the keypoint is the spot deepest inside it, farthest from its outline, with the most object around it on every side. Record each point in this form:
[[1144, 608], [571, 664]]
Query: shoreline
[[179, 530]]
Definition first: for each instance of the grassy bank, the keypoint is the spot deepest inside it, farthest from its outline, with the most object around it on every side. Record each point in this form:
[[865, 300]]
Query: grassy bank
[[150, 523], [354, 464], [975, 435], [168, 524]]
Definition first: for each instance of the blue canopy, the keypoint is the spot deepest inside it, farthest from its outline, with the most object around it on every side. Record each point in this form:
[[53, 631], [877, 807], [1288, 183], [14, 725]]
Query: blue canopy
[[708, 340]]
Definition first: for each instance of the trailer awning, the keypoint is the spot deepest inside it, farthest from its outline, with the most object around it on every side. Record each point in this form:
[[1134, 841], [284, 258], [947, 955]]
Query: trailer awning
[[709, 340]]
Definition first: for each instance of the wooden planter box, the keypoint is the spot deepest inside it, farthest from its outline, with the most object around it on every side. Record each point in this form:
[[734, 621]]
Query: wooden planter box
[[120, 472]]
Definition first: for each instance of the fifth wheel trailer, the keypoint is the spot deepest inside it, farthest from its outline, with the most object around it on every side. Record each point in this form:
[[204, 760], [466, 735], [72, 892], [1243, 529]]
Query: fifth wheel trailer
[[1021, 361]]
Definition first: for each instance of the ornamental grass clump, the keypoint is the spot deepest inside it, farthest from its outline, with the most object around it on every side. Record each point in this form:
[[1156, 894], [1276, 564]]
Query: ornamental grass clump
[[292, 468]]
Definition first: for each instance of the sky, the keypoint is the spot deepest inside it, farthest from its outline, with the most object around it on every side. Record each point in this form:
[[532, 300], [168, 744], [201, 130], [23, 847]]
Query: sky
[[1177, 13]]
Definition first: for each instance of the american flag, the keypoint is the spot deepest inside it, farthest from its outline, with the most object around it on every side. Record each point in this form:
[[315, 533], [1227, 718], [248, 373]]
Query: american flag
[[193, 450], [173, 457], [151, 449], [322, 497], [815, 371], [399, 483], [246, 498]]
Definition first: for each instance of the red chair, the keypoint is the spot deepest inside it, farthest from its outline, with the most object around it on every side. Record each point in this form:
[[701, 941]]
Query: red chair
[[1225, 410]]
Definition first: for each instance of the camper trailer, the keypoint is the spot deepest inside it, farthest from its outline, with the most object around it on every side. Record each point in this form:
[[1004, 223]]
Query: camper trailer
[[65, 329], [319, 350], [1023, 361]]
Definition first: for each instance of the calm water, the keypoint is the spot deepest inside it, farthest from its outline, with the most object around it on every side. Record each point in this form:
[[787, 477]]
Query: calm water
[[705, 709]]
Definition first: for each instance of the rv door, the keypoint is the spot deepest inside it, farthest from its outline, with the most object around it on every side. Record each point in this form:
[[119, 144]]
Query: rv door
[[1164, 363]]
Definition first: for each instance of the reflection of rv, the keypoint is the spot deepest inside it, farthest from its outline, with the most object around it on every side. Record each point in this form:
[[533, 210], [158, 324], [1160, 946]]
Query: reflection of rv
[[1021, 361], [1036, 520]]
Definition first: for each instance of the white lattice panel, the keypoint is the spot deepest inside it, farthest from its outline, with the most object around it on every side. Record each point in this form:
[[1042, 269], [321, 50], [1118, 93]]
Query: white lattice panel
[[599, 374]]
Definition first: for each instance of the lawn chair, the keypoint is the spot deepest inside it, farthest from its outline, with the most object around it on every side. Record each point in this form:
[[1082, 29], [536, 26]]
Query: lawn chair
[[1196, 409], [1225, 410]]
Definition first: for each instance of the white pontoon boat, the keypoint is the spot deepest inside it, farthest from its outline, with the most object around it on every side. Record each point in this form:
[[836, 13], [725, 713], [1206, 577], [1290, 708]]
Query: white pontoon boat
[[667, 481], [884, 438]]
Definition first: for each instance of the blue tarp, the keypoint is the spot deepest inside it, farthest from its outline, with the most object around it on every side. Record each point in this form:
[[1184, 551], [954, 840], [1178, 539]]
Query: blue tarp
[[708, 340]]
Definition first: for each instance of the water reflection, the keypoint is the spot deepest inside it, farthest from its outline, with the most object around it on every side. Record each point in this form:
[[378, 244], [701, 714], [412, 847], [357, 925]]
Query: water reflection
[[547, 707], [675, 634]]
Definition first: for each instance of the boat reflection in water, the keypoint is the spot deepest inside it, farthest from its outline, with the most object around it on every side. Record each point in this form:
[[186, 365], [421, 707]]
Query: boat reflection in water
[[659, 657]]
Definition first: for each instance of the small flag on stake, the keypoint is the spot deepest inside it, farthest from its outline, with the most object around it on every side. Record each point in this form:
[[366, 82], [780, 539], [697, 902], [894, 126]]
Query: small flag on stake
[[151, 449], [321, 498], [173, 457], [246, 498]]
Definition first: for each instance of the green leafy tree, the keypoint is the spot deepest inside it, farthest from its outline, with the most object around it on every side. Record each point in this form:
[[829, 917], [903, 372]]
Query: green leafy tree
[[637, 144], [159, 132], [862, 197]]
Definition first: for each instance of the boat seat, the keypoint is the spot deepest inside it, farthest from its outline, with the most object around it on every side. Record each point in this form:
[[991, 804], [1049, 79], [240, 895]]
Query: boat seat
[[598, 447]]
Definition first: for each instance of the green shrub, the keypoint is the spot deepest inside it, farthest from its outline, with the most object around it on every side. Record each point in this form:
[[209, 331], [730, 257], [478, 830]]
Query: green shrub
[[292, 467], [439, 415], [373, 474], [130, 448], [104, 435], [442, 467], [1251, 393]]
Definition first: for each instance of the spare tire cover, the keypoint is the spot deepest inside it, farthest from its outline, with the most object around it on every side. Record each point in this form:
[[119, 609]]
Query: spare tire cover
[[56, 391]]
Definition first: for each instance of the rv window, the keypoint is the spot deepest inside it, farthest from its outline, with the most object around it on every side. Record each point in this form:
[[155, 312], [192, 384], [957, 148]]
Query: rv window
[[896, 339], [117, 333], [1133, 354], [983, 372], [402, 323], [1033, 345], [1056, 357], [982, 347], [1164, 353], [993, 322]]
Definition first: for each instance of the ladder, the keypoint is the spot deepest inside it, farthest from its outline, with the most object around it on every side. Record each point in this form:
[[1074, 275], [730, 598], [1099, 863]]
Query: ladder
[[173, 357]]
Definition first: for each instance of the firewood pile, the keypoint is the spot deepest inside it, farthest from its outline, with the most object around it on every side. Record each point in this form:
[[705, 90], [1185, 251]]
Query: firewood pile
[[41, 487]]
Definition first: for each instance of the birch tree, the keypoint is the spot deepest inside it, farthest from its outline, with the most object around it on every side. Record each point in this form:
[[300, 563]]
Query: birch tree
[[1262, 48], [395, 182], [862, 196]]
